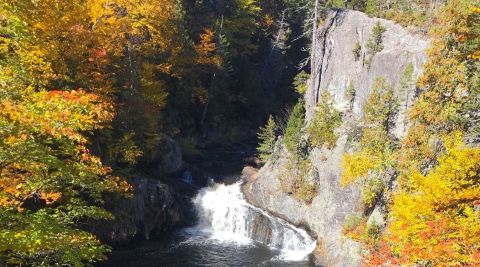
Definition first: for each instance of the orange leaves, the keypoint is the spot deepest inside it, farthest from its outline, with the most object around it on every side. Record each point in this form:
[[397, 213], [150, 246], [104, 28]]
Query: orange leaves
[[11, 189], [50, 197], [58, 113], [206, 49], [447, 77], [119, 185], [207, 41], [35, 126]]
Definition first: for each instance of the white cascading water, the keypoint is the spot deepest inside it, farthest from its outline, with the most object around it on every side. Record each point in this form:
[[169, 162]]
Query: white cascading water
[[227, 217]]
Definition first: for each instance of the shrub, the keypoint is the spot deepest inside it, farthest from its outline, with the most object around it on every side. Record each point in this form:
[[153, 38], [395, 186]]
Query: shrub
[[382, 106], [325, 120], [352, 221], [300, 82], [371, 191], [374, 231], [297, 180], [357, 50], [376, 152], [125, 150]]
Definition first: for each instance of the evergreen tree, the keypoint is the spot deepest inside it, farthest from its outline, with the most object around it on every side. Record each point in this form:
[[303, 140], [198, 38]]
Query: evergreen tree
[[350, 94], [300, 82], [325, 120], [294, 126], [375, 42], [267, 138]]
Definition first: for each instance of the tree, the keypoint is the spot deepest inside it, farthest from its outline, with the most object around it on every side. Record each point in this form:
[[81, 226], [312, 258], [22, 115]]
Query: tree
[[267, 138], [50, 181], [375, 42], [450, 86], [357, 50], [376, 154], [300, 82], [434, 217], [293, 132], [325, 120], [350, 94], [435, 221]]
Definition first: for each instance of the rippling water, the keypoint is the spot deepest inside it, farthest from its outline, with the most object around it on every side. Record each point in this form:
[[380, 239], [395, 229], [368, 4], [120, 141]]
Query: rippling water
[[183, 250]]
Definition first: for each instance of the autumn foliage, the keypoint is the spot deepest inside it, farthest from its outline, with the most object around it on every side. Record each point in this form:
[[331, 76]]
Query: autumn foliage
[[434, 214], [49, 180]]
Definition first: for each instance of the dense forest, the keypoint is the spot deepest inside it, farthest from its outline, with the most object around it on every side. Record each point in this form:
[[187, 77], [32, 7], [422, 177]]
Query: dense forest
[[89, 89]]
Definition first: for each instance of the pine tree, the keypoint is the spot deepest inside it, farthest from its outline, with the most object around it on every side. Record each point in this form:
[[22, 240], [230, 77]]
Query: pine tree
[[324, 122], [350, 94], [375, 42], [294, 126], [267, 138]]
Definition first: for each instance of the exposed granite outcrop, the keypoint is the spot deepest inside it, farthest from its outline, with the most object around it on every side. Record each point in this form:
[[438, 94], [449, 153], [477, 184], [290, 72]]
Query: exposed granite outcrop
[[336, 67]]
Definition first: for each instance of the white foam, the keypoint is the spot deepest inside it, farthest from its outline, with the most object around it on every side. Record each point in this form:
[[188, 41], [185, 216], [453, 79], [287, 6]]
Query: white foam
[[226, 216]]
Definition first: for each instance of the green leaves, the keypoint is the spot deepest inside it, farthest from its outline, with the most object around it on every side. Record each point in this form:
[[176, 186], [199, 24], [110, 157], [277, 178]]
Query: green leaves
[[325, 120], [293, 132], [300, 82], [267, 137], [374, 42]]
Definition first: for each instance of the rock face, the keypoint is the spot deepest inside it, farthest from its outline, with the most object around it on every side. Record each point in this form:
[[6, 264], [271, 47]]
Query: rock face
[[153, 209], [170, 160], [334, 68], [156, 206]]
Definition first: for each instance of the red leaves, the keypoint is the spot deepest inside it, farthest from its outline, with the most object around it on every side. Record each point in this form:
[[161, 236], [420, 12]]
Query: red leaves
[[100, 52], [77, 28]]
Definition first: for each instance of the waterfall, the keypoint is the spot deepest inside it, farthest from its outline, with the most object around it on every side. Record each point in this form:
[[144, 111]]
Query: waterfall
[[225, 215]]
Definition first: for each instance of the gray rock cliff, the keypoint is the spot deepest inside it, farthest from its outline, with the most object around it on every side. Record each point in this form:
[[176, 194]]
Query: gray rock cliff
[[335, 67], [153, 209]]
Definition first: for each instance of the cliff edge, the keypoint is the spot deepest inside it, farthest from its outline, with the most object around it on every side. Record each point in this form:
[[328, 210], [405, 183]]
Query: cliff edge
[[334, 67]]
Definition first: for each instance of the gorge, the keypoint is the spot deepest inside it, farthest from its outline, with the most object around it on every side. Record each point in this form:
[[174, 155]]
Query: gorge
[[240, 133]]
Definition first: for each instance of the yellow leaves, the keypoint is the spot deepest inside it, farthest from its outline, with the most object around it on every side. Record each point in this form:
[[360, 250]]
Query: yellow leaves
[[435, 220], [38, 124], [97, 9], [12, 140], [357, 165], [119, 185], [268, 20]]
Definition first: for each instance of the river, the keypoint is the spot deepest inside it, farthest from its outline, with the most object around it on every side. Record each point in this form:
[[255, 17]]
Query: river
[[229, 232]]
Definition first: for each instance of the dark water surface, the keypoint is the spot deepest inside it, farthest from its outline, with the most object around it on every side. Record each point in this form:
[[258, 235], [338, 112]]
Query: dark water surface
[[184, 249]]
